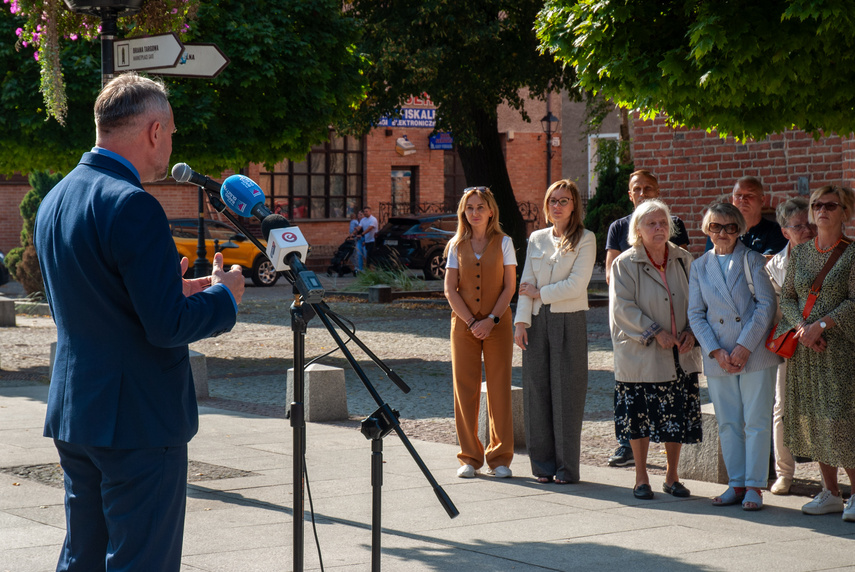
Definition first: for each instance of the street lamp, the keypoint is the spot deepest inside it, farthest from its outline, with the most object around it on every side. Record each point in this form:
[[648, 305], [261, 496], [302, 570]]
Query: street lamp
[[549, 124]]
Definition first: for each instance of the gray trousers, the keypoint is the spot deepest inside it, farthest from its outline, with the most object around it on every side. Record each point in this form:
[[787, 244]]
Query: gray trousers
[[555, 383]]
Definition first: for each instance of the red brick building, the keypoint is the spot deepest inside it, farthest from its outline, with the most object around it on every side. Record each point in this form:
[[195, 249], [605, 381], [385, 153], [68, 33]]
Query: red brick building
[[344, 174], [695, 167]]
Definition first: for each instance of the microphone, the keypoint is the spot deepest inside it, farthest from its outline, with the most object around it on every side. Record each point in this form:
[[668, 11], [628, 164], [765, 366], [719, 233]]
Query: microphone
[[182, 173], [245, 197], [285, 246]]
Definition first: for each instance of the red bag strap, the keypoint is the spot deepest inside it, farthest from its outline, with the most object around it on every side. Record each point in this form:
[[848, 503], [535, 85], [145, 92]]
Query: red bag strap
[[817, 283]]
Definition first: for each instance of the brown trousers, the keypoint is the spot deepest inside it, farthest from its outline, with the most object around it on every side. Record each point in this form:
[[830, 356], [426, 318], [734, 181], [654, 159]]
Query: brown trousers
[[466, 354]]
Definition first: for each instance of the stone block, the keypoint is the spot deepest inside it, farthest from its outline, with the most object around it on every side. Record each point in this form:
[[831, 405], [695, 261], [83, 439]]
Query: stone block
[[380, 294], [703, 462], [7, 313], [199, 368], [324, 393], [518, 415]]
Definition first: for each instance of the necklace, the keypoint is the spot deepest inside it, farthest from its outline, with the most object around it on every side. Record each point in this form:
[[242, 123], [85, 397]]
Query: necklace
[[659, 267], [829, 249]]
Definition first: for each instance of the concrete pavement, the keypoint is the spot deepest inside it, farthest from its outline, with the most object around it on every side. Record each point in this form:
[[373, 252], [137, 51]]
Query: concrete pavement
[[244, 523]]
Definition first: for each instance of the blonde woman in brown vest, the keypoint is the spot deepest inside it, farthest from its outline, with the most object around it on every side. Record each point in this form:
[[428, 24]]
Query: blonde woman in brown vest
[[480, 280], [551, 328]]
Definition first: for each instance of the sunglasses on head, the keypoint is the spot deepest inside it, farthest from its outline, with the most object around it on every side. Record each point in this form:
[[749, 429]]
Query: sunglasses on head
[[729, 228], [480, 189], [830, 207]]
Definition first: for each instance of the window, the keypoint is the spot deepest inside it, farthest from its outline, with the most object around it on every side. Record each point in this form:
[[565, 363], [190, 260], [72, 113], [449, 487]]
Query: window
[[455, 180], [327, 183]]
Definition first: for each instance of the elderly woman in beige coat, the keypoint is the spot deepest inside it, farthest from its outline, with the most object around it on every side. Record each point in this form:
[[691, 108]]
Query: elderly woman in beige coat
[[657, 395]]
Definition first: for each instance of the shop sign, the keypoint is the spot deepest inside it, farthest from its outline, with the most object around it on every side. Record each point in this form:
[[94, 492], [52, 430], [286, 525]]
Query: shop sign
[[411, 117], [442, 140]]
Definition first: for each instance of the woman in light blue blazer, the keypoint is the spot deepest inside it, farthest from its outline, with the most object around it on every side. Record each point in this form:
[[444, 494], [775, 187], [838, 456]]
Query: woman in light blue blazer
[[731, 324]]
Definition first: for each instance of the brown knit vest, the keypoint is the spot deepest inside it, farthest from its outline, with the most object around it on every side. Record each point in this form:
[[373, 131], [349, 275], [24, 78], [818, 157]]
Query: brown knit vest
[[481, 281]]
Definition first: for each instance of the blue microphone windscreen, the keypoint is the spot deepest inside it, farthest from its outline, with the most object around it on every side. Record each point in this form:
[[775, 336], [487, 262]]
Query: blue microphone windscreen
[[241, 194]]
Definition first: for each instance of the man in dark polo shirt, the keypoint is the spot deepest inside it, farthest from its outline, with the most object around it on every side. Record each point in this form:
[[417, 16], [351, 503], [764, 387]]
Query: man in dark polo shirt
[[763, 235], [642, 186]]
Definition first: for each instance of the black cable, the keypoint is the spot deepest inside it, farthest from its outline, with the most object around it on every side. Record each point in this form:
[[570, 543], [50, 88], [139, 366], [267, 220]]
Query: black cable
[[312, 512], [350, 333]]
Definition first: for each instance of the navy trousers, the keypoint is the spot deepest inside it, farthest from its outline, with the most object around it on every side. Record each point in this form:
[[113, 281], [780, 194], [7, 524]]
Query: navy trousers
[[124, 508]]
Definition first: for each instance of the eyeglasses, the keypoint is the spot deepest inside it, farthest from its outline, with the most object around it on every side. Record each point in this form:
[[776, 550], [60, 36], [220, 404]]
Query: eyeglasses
[[829, 207], [564, 201], [480, 189], [801, 227], [729, 228]]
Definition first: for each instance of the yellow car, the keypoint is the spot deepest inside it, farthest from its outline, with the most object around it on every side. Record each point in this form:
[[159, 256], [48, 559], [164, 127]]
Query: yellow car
[[236, 248]]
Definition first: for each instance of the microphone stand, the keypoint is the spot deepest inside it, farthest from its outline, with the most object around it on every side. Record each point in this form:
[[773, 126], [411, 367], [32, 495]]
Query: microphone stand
[[375, 427]]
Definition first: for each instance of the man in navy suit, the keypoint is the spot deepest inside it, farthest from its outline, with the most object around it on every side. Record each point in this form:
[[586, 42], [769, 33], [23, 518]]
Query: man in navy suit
[[122, 405]]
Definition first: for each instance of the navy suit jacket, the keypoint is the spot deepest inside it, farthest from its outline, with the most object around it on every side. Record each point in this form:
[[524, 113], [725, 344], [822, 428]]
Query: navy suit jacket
[[121, 375]]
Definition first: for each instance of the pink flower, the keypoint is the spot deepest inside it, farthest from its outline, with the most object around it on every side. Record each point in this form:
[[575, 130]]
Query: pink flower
[[19, 31], [25, 44], [72, 37], [36, 56]]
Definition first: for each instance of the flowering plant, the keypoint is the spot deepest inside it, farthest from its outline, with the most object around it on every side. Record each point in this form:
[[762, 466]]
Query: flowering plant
[[46, 21]]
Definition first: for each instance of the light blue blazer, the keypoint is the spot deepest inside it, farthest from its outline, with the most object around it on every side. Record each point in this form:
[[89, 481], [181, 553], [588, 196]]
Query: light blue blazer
[[723, 312]]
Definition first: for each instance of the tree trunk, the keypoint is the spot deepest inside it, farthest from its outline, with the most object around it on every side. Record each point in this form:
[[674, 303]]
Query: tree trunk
[[484, 165], [625, 152]]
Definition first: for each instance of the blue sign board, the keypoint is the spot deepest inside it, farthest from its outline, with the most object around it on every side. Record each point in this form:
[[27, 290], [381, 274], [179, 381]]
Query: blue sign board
[[442, 140], [411, 117]]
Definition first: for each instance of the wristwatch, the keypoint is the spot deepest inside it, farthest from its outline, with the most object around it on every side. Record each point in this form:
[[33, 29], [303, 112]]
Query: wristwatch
[[494, 318], [823, 325]]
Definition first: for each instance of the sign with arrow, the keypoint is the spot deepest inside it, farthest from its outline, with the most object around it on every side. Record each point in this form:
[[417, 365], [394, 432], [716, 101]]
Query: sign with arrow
[[163, 50], [197, 60]]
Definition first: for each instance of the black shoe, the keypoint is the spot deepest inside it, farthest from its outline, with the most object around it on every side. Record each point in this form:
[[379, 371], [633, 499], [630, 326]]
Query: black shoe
[[622, 457], [643, 492], [677, 489]]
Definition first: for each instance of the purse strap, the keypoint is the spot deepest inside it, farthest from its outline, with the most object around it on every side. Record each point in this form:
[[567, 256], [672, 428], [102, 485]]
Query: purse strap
[[817, 283]]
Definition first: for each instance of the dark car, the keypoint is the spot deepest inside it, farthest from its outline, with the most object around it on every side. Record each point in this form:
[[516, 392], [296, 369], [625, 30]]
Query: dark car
[[236, 248], [417, 242]]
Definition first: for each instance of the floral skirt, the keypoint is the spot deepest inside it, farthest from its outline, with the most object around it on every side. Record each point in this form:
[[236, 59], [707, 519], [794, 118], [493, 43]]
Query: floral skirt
[[668, 412]]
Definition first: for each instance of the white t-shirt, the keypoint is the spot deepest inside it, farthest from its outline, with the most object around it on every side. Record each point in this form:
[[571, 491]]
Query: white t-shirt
[[509, 257], [366, 223]]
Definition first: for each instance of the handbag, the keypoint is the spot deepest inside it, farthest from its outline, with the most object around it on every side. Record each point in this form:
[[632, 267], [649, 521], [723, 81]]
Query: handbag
[[785, 344]]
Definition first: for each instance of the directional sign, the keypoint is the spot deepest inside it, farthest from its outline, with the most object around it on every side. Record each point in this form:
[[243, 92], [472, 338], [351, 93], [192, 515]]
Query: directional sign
[[146, 53], [198, 60]]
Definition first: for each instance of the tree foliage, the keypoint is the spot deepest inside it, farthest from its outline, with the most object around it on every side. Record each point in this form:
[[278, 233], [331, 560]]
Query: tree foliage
[[743, 67], [611, 200], [469, 56], [22, 262], [294, 72]]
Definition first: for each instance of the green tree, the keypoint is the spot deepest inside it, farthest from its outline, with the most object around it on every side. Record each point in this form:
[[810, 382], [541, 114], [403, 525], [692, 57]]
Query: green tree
[[469, 56], [743, 67], [22, 261], [611, 201], [294, 72]]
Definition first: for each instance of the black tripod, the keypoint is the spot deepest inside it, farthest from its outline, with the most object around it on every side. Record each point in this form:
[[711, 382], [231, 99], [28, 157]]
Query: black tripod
[[309, 303]]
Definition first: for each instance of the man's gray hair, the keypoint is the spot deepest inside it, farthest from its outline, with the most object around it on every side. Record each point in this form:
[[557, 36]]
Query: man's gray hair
[[790, 208], [749, 183], [127, 98]]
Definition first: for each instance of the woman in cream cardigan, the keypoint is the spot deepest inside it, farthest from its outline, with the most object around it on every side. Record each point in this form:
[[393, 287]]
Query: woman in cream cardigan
[[550, 327], [657, 395]]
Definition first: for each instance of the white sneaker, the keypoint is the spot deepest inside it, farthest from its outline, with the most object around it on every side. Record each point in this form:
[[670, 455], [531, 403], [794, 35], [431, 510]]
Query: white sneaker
[[849, 510], [500, 472], [781, 486], [466, 472], [825, 503]]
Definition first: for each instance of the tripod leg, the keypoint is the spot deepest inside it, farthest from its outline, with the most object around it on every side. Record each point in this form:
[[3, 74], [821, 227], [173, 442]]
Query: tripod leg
[[376, 489]]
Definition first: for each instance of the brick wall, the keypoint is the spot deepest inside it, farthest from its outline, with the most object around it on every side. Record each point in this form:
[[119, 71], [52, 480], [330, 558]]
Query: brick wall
[[11, 194], [695, 168]]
